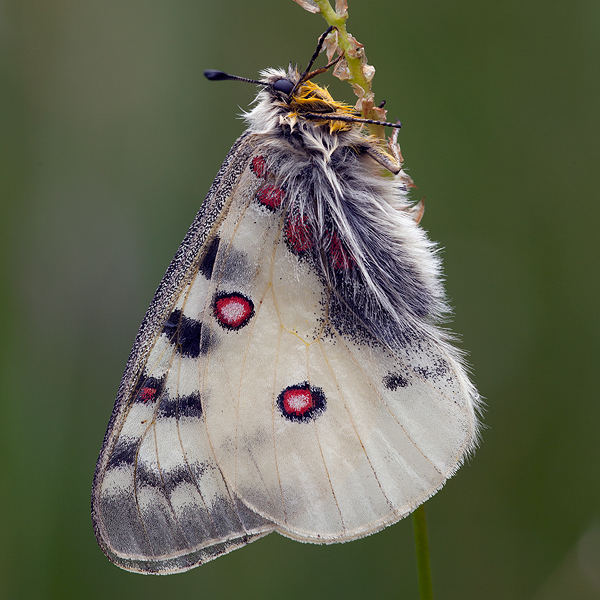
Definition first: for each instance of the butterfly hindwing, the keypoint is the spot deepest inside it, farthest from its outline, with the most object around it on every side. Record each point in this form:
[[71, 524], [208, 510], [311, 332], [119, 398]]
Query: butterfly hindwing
[[321, 432]]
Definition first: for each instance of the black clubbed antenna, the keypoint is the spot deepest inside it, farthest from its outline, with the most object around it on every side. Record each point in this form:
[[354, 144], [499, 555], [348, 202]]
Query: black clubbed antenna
[[222, 76]]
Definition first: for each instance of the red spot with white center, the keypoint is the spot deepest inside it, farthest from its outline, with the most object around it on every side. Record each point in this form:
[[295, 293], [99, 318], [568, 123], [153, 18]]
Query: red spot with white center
[[259, 167], [147, 393], [270, 196], [233, 311], [301, 403], [297, 402], [340, 258], [298, 234]]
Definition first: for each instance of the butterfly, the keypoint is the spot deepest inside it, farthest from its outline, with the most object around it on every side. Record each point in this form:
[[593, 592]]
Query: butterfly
[[290, 374]]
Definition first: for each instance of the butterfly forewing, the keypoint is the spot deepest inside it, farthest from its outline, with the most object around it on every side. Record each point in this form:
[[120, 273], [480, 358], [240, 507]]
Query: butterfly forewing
[[161, 503]]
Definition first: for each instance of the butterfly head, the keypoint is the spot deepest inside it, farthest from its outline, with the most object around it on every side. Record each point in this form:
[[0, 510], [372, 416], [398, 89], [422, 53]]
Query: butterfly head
[[293, 99], [296, 99]]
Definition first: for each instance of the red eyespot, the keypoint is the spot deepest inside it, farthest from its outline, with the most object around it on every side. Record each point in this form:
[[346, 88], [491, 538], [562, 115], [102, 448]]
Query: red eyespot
[[297, 402], [259, 167], [298, 234], [233, 311], [340, 258], [301, 403], [147, 393], [270, 196]]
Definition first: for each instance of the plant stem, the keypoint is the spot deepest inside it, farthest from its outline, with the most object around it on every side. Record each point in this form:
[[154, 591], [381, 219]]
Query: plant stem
[[354, 64], [422, 550]]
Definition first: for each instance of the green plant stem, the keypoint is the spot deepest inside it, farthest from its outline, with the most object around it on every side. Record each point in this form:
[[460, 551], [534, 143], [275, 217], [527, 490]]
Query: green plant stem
[[354, 64], [422, 550]]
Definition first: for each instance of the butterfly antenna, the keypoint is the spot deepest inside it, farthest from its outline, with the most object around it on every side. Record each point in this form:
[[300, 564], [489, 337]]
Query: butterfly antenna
[[349, 119], [307, 74], [317, 51], [222, 76], [214, 75], [335, 61]]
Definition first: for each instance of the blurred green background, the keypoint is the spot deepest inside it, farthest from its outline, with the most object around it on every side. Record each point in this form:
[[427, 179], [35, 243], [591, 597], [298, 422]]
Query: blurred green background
[[109, 140]]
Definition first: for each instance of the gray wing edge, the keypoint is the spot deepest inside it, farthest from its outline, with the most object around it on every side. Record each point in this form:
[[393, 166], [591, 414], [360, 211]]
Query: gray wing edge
[[252, 527]]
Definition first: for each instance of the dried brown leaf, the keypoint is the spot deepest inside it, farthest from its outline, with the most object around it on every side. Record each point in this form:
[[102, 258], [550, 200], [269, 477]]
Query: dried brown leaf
[[368, 71], [341, 7], [308, 5], [331, 45], [341, 70]]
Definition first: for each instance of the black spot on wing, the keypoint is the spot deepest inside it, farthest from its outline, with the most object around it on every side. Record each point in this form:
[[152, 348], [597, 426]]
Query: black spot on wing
[[393, 381], [189, 337], [190, 406], [123, 454], [175, 477], [208, 262], [171, 324], [147, 475], [168, 407], [186, 335], [148, 389], [182, 406]]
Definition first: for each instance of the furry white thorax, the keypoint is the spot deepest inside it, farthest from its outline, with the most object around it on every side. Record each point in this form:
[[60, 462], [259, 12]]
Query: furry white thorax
[[329, 176]]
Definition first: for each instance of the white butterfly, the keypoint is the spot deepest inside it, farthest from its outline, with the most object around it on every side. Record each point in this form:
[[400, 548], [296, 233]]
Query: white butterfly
[[289, 375]]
